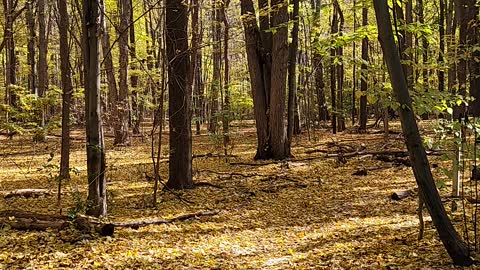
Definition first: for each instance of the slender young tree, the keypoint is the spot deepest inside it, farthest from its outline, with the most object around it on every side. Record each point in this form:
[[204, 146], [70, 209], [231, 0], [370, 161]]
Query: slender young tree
[[42, 8], [122, 136], [333, 77], [292, 71], [455, 247], [108, 61], [217, 68], [340, 72], [226, 78], [97, 188], [180, 160], [32, 75], [63, 26], [363, 79]]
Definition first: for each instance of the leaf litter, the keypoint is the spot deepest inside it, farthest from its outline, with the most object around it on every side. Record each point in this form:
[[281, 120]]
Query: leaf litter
[[305, 213]]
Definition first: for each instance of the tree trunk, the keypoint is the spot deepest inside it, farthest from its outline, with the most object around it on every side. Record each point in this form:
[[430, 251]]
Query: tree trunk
[[180, 165], [108, 62], [364, 70], [42, 55], [462, 16], [122, 136], [192, 75], [455, 247], [441, 31], [32, 75], [63, 26], [10, 61], [217, 62], [292, 66], [340, 71], [333, 78], [256, 63], [451, 27], [97, 195], [318, 65], [473, 65], [408, 52], [137, 103], [278, 80], [226, 78]]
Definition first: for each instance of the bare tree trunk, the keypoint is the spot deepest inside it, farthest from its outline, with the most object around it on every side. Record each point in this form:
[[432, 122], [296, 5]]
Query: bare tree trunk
[[10, 61], [191, 79], [440, 61], [278, 80], [137, 103], [97, 195], [63, 26], [292, 66], [364, 69], [217, 62], [122, 136], [318, 65], [340, 72], [408, 54], [108, 61], [226, 79], [180, 165], [455, 247], [32, 75], [451, 27], [462, 15], [42, 54], [333, 78], [473, 65], [255, 55]]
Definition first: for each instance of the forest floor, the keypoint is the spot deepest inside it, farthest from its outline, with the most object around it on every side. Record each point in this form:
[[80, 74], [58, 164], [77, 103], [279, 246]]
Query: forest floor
[[309, 212]]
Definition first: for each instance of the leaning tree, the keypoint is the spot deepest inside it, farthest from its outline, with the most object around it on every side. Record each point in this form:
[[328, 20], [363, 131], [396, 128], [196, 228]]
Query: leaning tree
[[454, 245]]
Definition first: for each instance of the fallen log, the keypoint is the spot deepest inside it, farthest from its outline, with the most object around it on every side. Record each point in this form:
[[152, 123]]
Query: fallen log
[[399, 195], [21, 220], [27, 193]]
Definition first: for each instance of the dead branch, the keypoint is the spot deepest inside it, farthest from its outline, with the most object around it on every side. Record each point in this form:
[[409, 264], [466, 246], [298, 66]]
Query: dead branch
[[400, 195], [138, 224], [210, 155]]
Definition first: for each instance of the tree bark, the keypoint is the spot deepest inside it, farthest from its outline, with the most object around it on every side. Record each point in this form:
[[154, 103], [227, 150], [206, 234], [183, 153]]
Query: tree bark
[[333, 78], [136, 93], [226, 78], [108, 62], [180, 160], [441, 32], [462, 16], [42, 54], [340, 72], [364, 70], [292, 71], [217, 62], [97, 195], [278, 80], [256, 63], [122, 136], [455, 247], [63, 26], [32, 75]]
